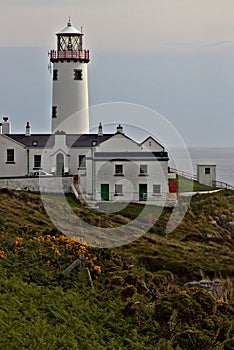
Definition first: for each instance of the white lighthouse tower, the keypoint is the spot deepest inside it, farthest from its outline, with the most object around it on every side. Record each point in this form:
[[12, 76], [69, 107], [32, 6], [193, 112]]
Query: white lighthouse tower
[[70, 84]]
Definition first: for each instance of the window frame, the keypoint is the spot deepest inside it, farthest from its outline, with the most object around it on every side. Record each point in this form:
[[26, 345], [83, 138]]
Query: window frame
[[118, 190], [158, 191], [78, 74], [82, 161], [119, 170], [37, 162], [10, 157], [207, 171], [143, 172], [55, 74], [54, 112]]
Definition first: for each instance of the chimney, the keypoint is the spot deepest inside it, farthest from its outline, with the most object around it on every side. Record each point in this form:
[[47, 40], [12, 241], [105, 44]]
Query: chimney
[[28, 130], [100, 132], [6, 126], [119, 129], [0, 128]]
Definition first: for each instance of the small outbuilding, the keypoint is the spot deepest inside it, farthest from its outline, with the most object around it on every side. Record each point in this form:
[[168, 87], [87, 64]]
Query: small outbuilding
[[206, 174]]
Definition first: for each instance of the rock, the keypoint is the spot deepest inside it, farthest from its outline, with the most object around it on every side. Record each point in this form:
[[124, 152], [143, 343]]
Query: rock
[[211, 235], [215, 288], [213, 222], [230, 225]]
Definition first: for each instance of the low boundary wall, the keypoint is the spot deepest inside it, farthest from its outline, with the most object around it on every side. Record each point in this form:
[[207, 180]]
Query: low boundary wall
[[50, 184]]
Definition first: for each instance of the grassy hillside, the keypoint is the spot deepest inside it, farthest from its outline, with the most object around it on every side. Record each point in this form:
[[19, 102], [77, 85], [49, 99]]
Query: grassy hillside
[[139, 300]]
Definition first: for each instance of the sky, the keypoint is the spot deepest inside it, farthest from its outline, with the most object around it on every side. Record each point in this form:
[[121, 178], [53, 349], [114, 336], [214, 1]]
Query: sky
[[173, 56]]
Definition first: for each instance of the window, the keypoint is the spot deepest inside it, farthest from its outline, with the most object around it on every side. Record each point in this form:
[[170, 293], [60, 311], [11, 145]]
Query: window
[[34, 143], [207, 171], [10, 155], [37, 161], [119, 170], [156, 189], [54, 112], [78, 74], [143, 169], [82, 162], [118, 190], [55, 74]]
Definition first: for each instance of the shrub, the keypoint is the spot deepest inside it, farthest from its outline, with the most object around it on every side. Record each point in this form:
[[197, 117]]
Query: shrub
[[128, 292]]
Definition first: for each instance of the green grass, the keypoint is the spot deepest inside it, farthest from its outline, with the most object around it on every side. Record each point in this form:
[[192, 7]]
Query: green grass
[[185, 185], [139, 300]]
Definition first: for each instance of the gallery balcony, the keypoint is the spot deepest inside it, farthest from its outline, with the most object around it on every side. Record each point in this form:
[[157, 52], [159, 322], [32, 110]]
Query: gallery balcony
[[66, 55]]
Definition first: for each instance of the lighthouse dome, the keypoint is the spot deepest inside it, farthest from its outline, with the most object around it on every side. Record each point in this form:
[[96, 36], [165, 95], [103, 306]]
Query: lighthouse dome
[[69, 29]]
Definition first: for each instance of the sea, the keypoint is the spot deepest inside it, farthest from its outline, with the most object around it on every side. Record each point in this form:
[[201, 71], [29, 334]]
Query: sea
[[222, 157]]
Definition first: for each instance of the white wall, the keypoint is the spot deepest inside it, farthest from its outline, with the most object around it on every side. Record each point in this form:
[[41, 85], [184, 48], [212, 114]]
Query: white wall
[[119, 143], [152, 145], [70, 96], [204, 178], [157, 175], [19, 168]]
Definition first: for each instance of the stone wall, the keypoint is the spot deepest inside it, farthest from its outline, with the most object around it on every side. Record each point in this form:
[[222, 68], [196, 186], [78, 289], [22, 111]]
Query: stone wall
[[50, 184]]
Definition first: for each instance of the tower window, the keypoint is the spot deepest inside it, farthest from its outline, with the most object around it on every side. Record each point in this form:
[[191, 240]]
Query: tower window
[[55, 74], [207, 171], [37, 161], [78, 74], [54, 112], [10, 155]]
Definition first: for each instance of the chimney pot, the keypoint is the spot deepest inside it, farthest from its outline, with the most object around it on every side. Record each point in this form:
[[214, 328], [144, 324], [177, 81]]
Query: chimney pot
[[119, 129], [6, 126], [27, 129], [100, 132]]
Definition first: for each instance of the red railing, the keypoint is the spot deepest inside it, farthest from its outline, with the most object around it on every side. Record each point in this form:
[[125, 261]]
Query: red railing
[[65, 54]]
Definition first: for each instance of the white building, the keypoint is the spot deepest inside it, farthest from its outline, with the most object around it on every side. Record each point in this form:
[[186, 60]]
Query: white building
[[107, 166], [206, 174]]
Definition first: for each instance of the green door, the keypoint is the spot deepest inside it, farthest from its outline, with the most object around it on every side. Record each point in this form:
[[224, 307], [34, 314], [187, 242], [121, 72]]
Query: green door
[[105, 192], [142, 192]]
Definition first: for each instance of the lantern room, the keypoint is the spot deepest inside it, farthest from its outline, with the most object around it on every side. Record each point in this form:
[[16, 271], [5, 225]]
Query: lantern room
[[69, 45]]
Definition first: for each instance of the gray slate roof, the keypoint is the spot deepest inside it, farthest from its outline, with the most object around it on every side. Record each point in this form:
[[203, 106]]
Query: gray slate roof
[[42, 139], [72, 141]]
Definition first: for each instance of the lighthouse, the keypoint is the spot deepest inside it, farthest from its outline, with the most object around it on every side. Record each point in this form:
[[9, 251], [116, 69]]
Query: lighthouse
[[70, 85]]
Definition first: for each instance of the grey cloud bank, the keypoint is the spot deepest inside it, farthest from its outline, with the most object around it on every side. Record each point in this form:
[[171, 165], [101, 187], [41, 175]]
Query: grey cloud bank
[[173, 56]]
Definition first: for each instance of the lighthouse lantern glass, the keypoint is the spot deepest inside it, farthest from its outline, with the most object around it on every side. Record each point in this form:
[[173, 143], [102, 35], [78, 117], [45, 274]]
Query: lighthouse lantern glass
[[70, 42]]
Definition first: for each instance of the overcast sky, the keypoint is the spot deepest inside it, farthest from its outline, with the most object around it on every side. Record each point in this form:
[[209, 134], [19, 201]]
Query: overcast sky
[[175, 56]]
